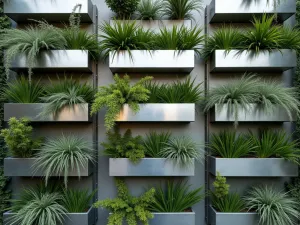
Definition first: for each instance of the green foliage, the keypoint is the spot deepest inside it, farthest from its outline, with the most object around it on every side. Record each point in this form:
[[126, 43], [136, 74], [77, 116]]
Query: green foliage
[[176, 92], [155, 142], [181, 9], [5, 194], [124, 147], [227, 144], [176, 197], [62, 155], [114, 96], [123, 9], [293, 188], [22, 91], [76, 201], [149, 10], [274, 207], [221, 188], [18, 138], [128, 207]]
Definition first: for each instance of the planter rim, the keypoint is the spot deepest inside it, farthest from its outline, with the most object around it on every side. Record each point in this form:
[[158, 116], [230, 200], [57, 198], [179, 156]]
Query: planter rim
[[212, 208], [172, 213], [215, 157], [90, 208]]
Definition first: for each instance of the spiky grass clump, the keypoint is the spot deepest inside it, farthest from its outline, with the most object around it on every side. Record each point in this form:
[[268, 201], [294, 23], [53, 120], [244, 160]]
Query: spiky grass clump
[[155, 142], [181, 9], [77, 201], [149, 10]]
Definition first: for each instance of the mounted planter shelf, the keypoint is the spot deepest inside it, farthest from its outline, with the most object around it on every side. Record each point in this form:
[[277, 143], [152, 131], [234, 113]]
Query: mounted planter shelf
[[160, 61], [80, 112], [252, 114], [56, 61], [123, 167], [49, 10], [219, 11], [158, 112], [23, 167], [264, 61], [252, 167], [219, 218], [86, 218]]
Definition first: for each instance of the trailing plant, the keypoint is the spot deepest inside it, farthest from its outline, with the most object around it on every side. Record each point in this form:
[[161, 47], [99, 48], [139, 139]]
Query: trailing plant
[[181, 9], [274, 207], [114, 96], [149, 10], [176, 197], [176, 92], [76, 201], [62, 155], [18, 138], [125, 206], [125, 146], [22, 91], [123, 9], [155, 142]]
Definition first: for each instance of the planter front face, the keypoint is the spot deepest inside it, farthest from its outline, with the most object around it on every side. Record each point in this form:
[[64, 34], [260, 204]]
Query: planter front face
[[80, 113], [19, 167], [50, 10], [264, 61], [161, 61], [186, 218], [56, 61], [148, 167], [220, 113], [243, 11], [157, 112], [218, 218], [252, 167]]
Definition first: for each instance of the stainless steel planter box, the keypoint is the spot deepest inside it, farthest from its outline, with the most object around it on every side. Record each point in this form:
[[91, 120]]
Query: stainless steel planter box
[[80, 112], [264, 61], [161, 61], [86, 218], [148, 167], [23, 167], [50, 10], [56, 61], [218, 218], [252, 167], [220, 114], [157, 112], [243, 10]]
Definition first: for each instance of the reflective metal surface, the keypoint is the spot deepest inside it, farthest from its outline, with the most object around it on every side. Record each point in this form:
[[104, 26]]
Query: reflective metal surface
[[50, 10], [80, 112], [264, 61], [56, 61], [23, 167], [157, 112], [123, 167], [253, 114], [243, 10], [252, 167], [218, 218], [162, 61]]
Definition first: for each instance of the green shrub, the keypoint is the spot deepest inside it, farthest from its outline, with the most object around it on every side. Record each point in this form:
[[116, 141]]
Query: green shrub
[[149, 10], [123, 9], [181, 9], [5, 194]]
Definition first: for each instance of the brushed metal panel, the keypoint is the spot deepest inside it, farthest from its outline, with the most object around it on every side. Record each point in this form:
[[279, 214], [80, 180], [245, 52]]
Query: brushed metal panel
[[23, 167], [243, 10], [80, 112], [148, 167], [218, 218], [264, 61], [50, 10], [252, 114], [56, 61], [156, 112], [252, 167], [163, 61]]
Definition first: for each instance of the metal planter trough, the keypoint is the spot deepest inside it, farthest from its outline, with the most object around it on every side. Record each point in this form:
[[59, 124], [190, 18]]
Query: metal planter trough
[[219, 11], [123, 167], [219, 218], [220, 113], [86, 218], [242, 61], [49, 10], [252, 167], [56, 61], [159, 61], [23, 167], [80, 112], [159, 112]]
